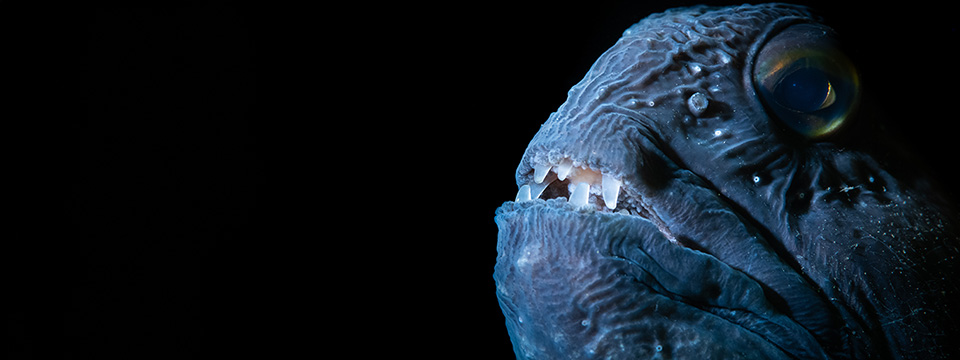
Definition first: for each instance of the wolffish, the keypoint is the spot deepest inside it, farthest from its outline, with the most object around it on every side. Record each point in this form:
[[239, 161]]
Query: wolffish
[[713, 188]]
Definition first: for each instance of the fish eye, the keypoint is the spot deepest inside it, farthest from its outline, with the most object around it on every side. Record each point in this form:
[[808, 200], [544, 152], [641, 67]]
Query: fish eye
[[806, 81]]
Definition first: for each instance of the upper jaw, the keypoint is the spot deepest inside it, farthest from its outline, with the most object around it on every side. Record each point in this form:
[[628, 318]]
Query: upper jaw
[[599, 171]]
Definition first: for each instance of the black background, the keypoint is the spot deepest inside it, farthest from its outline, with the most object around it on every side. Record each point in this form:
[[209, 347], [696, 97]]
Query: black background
[[265, 180]]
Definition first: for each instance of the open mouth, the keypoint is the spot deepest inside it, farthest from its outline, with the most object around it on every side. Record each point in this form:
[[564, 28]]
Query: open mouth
[[587, 189]]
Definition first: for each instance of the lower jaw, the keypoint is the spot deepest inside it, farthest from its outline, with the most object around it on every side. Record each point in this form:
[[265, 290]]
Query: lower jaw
[[554, 234]]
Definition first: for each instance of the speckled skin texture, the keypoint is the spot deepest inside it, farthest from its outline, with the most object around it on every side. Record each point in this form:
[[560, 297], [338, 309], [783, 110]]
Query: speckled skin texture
[[752, 242]]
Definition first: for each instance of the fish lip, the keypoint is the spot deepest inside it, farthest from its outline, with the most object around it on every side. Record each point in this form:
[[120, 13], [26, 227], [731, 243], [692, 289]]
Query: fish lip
[[563, 235], [638, 130], [561, 205]]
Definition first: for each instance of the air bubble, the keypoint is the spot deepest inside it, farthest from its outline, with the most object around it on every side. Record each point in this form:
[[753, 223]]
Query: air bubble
[[659, 348], [756, 179], [697, 103], [585, 323]]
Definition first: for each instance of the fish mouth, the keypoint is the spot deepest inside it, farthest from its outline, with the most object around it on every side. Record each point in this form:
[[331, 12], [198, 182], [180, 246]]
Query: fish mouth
[[648, 244], [588, 189]]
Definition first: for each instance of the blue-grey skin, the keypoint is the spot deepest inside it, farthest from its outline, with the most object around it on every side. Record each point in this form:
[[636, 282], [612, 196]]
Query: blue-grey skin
[[742, 238]]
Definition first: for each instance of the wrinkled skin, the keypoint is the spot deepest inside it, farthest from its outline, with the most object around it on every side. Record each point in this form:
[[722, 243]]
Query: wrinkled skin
[[732, 236]]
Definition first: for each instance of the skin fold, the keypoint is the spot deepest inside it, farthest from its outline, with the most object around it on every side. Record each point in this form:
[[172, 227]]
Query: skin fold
[[750, 220]]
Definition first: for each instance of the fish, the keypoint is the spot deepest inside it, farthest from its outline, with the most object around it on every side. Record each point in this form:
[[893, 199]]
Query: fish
[[717, 186]]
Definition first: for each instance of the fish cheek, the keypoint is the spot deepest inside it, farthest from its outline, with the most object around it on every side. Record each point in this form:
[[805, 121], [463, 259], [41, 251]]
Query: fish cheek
[[578, 284]]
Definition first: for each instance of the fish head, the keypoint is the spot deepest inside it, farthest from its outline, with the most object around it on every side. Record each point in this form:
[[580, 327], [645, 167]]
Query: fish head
[[714, 185]]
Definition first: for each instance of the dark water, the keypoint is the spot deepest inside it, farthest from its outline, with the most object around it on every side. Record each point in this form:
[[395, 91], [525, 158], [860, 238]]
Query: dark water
[[253, 179]]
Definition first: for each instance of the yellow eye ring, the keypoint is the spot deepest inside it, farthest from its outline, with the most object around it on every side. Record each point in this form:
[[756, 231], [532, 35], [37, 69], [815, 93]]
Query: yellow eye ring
[[805, 81]]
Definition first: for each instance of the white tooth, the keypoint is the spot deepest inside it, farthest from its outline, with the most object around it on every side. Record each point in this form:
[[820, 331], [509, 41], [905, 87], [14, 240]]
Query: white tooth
[[537, 189], [564, 169], [524, 193], [540, 172], [611, 190], [579, 196]]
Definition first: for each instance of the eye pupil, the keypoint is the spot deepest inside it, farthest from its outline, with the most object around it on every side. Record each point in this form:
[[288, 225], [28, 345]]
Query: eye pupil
[[805, 90]]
